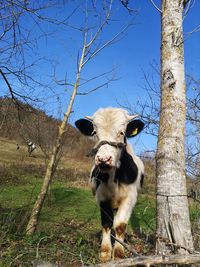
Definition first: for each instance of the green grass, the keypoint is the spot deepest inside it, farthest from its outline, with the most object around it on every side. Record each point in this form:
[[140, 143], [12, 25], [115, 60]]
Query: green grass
[[75, 203], [194, 211], [143, 216], [69, 205], [69, 224]]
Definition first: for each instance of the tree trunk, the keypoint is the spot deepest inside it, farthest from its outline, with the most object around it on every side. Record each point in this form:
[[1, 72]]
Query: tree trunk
[[173, 222], [33, 221]]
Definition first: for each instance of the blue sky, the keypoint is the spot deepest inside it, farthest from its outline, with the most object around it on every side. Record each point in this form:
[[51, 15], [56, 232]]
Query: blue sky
[[131, 56]]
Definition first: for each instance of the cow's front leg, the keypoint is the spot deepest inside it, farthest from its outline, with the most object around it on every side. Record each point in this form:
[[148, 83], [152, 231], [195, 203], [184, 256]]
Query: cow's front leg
[[120, 223], [107, 222]]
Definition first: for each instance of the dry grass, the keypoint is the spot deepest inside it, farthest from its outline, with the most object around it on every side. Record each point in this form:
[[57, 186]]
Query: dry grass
[[16, 164], [9, 155]]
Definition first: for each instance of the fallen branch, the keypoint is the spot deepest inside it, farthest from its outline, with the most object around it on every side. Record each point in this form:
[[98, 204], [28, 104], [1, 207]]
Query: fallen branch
[[153, 260], [128, 247]]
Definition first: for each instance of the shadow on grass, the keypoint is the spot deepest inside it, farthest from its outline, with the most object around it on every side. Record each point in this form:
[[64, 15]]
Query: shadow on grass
[[143, 218], [69, 209], [63, 205]]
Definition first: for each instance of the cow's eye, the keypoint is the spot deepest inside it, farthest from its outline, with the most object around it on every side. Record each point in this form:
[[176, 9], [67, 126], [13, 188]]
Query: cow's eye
[[121, 133]]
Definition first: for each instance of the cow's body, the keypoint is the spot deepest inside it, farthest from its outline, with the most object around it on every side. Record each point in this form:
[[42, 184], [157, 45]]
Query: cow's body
[[31, 147], [117, 173]]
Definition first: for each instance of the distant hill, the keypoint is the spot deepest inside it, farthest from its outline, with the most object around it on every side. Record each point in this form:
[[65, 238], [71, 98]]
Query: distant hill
[[23, 122]]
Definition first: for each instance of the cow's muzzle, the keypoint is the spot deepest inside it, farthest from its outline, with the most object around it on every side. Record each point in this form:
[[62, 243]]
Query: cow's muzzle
[[104, 142]]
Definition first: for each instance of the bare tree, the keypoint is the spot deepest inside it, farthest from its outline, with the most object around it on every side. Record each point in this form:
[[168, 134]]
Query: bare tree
[[91, 47], [173, 222], [193, 117], [149, 108], [15, 40], [22, 25]]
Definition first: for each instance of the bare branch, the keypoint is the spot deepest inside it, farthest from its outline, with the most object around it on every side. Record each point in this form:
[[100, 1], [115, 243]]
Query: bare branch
[[125, 3], [96, 77], [96, 88], [156, 7], [111, 41], [196, 29], [188, 6], [8, 84], [128, 247], [101, 26]]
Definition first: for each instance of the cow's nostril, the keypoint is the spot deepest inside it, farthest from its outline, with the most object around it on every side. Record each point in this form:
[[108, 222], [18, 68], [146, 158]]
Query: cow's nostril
[[108, 159], [104, 159], [100, 159]]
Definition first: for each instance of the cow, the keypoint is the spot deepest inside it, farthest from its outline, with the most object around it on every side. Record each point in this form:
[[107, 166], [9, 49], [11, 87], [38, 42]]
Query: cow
[[31, 147], [117, 173]]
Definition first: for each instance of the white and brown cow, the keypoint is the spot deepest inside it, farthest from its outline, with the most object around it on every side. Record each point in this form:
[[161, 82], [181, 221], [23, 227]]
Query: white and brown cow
[[117, 173]]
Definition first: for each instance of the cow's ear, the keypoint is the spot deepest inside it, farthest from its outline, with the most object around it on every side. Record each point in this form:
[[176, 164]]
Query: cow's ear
[[85, 126], [134, 127]]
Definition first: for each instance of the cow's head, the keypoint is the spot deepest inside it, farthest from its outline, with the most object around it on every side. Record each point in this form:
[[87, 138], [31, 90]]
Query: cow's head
[[109, 127]]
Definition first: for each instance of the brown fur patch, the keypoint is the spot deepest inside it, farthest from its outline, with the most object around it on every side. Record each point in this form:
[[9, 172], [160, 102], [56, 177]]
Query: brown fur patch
[[105, 254], [118, 253], [105, 249], [120, 230]]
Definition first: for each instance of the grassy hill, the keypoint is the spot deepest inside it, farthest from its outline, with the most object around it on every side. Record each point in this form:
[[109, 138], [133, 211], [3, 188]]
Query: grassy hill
[[69, 224], [21, 122]]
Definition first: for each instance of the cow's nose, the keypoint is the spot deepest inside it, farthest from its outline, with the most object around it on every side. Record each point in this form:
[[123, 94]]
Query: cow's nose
[[104, 159]]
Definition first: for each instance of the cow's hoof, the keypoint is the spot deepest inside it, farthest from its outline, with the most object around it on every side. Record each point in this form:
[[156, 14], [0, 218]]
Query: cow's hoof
[[118, 253], [105, 254]]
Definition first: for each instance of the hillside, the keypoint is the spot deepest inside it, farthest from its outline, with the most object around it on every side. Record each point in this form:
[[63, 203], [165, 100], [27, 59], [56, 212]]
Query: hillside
[[22, 122]]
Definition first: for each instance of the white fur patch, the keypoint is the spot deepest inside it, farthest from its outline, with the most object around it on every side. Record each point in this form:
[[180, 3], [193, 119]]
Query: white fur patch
[[109, 124]]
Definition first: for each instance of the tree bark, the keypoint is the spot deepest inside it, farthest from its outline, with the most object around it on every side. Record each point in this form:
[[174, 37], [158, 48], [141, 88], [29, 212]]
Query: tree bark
[[173, 222]]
